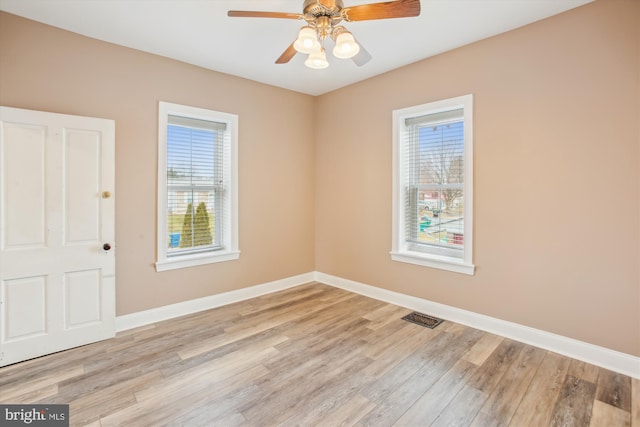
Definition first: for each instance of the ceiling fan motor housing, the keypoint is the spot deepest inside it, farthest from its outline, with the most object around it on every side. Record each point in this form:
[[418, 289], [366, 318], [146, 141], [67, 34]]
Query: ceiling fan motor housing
[[313, 9], [323, 15]]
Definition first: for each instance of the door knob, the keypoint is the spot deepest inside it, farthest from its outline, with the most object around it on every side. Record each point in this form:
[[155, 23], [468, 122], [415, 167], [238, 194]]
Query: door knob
[[106, 246]]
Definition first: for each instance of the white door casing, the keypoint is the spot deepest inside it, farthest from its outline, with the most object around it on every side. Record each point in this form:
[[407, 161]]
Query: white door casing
[[57, 283]]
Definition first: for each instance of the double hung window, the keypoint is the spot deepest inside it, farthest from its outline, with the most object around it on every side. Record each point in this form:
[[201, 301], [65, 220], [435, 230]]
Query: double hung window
[[197, 187], [433, 183]]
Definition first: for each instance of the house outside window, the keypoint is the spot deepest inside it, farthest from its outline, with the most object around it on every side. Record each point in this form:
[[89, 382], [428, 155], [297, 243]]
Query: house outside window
[[433, 185], [197, 187]]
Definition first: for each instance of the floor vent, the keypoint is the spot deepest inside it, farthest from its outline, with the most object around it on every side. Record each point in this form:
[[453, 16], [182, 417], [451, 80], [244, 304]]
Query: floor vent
[[422, 319]]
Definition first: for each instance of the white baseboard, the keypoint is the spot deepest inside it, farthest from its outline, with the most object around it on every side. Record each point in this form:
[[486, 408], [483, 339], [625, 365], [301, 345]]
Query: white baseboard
[[610, 359], [142, 318]]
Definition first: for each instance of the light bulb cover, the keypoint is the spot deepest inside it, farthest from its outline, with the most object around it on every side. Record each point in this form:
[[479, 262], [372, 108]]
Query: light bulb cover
[[307, 41], [317, 60], [346, 46]]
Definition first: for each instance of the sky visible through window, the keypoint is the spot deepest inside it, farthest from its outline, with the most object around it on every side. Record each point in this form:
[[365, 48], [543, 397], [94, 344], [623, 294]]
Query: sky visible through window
[[190, 153], [441, 151]]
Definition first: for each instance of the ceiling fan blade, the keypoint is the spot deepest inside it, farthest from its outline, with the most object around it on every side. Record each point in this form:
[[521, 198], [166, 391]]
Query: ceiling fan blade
[[385, 10], [286, 56], [362, 57], [255, 14]]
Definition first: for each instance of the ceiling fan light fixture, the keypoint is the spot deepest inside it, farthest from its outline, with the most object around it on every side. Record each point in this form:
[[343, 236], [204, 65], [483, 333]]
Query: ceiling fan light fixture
[[346, 46], [317, 60], [307, 41]]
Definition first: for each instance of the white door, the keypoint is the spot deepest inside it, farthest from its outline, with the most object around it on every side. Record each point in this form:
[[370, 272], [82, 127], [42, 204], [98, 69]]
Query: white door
[[57, 263]]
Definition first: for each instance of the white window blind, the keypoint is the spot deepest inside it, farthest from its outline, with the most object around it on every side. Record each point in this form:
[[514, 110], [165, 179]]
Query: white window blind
[[433, 182], [195, 185]]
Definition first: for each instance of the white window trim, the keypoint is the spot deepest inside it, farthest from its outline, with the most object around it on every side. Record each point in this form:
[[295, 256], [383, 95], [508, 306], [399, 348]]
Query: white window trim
[[231, 250], [400, 249]]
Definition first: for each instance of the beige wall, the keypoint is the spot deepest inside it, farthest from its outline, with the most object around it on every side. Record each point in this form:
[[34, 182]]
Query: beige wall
[[557, 182], [43, 68], [556, 173]]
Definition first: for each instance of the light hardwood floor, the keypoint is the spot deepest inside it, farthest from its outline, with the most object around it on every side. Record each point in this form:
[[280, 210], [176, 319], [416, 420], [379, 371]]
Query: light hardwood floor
[[317, 355]]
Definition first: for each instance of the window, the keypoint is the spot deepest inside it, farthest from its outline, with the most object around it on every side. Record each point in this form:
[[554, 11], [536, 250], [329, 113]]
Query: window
[[433, 183], [197, 187]]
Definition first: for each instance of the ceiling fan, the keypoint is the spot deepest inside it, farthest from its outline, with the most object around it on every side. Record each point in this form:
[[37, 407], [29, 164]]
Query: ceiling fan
[[323, 18]]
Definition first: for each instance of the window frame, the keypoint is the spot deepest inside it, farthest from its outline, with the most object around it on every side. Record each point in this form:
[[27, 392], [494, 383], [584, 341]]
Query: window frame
[[403, 250], [229, 250]]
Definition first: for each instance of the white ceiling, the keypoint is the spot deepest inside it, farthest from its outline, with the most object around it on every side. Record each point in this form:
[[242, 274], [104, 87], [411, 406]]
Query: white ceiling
[[200, 33]]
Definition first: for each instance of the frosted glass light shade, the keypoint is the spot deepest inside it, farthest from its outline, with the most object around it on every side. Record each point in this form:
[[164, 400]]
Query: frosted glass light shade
[[317, 60], [346, 46], [307, 41]]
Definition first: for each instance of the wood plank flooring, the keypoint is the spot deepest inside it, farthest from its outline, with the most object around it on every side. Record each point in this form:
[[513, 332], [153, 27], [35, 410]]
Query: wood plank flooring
[[317, 355]]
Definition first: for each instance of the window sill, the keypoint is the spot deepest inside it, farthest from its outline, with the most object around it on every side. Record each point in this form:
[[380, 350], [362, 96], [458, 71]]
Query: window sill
[[434, 261], [196, 259]]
